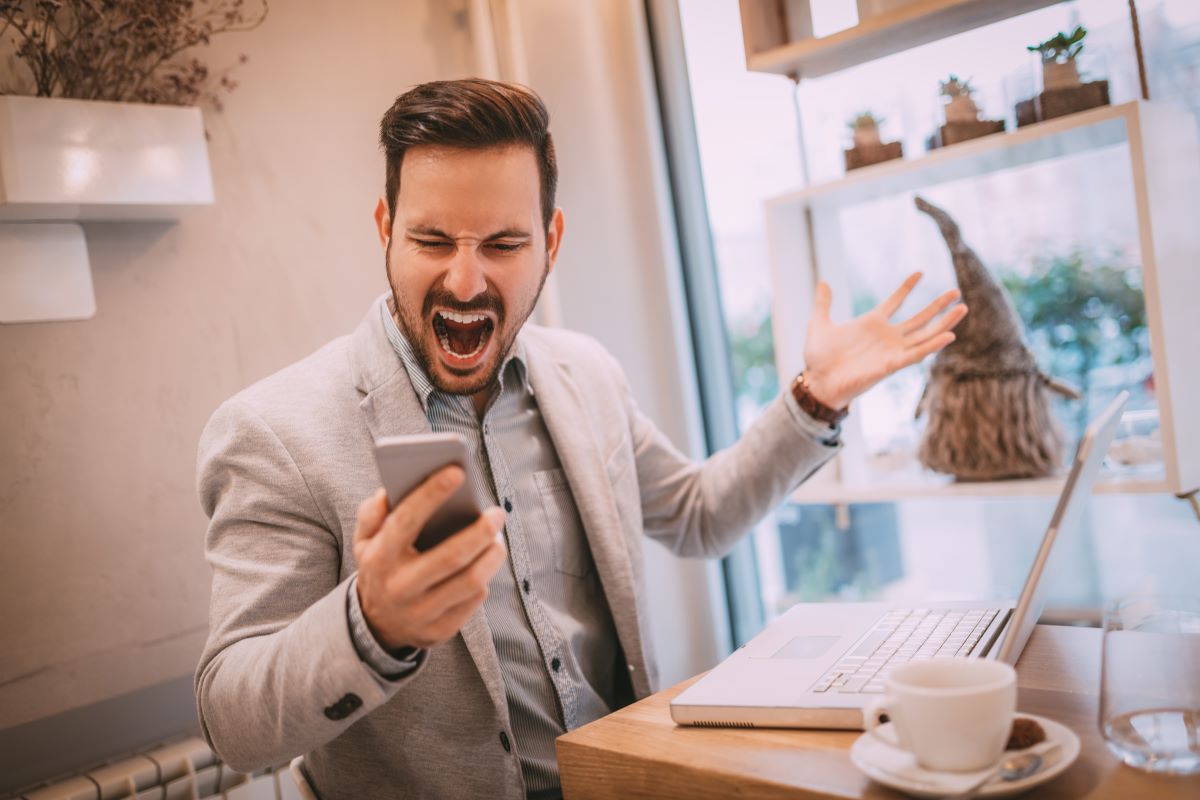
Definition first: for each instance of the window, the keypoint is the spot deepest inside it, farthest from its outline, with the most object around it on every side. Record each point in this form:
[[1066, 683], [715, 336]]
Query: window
[[1074, 277]]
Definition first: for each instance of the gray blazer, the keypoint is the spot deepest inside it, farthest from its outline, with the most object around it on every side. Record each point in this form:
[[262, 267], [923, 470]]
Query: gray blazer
[[282, 468]]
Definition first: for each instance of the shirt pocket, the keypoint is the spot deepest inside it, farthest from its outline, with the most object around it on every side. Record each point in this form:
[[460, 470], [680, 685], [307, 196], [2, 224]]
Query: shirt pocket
[[563, 528]]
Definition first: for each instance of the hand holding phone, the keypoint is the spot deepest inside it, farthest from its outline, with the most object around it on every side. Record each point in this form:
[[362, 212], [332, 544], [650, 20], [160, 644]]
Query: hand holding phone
[[414, 598]]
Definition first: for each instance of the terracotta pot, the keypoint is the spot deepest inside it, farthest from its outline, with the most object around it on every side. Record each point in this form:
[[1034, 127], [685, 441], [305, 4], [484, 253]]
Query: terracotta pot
[[866, 137], [1060, 75], [961, 109]]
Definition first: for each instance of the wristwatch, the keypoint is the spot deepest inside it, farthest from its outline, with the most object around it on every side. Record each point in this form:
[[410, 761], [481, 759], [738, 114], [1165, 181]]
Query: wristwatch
[[814, 407]]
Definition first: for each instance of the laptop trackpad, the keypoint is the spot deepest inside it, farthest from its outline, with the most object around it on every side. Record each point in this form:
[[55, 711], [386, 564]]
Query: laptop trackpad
[[806, 647]]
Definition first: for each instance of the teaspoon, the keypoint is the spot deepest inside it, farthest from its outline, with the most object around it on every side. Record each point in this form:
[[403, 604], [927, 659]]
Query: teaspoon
[[1013, 768]]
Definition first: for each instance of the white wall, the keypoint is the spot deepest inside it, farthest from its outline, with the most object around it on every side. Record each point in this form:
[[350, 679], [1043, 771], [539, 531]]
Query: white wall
[[103, 584]]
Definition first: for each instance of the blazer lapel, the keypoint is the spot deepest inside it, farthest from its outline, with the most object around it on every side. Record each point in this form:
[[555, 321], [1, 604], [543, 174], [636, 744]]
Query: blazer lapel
[[563, 411], [477, 635], [391, 408], [389, 404]]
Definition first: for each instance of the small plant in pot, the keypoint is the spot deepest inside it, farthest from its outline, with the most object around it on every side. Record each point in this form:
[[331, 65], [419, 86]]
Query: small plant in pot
[[959, 106], [868, 147], [1059, 69], [961, 114], [865, 127]]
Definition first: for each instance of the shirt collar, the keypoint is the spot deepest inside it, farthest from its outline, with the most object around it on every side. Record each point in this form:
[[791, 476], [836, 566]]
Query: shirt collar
[[513, 371]]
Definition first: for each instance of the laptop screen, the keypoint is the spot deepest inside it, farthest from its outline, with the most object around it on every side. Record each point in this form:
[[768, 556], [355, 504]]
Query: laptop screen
[[1065, 522]]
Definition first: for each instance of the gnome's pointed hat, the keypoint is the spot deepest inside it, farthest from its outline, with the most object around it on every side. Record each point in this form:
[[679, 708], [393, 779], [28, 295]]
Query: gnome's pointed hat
[[989, 415], [991, 332]]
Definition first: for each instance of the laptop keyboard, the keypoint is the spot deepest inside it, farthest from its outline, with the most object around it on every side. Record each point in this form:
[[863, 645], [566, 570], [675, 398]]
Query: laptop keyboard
[[912, 634]]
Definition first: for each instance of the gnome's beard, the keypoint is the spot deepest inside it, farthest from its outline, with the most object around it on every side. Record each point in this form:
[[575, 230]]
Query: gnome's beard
[[989, 426]]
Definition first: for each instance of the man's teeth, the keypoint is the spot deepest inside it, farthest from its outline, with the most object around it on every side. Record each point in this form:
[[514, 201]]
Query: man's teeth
[[445, 340], [441, 318], [463, 319]]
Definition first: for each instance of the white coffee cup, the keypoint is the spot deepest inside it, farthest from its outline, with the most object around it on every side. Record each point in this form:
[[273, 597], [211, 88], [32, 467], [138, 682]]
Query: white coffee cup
[[953, 714]]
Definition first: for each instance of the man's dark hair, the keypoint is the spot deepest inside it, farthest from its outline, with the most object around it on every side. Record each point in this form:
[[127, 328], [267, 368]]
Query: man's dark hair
[[470, 113]]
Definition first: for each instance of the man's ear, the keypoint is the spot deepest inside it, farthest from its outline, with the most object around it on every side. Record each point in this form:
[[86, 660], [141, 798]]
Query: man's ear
[[554, 236], [383, 222]]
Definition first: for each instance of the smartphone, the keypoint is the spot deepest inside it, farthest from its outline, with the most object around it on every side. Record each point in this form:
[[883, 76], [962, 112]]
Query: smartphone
[[405, 461]]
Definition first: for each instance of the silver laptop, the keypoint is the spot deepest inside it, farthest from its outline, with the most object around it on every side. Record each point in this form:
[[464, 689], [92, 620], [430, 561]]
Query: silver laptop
[[819, 664]]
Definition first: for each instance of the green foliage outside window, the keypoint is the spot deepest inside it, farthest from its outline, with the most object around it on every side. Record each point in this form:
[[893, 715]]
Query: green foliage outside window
[[1082, 312], [752, 349], [822, 560]]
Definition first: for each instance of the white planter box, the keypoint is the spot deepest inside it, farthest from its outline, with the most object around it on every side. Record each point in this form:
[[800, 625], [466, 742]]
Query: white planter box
[[92, 160]]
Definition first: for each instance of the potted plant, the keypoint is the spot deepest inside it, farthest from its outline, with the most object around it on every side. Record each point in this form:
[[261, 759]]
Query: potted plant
[[1059, 69], [959, 106], [864, 126], [868, 147], [1062, 90], [962, 115]]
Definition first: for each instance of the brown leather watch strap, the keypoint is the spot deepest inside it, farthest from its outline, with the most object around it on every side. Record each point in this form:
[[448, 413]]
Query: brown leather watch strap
[[814, 407]]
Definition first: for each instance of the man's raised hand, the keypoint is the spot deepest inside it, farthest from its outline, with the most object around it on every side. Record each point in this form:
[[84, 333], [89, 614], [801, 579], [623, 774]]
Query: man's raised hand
[[843, 360]]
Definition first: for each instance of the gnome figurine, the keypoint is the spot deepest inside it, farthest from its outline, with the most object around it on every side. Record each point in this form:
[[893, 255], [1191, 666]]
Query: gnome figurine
[[986, 400]]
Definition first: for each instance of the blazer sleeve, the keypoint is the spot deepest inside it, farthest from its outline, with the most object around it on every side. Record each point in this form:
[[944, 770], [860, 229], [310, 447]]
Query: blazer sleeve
[[702, 508], [279, 675]]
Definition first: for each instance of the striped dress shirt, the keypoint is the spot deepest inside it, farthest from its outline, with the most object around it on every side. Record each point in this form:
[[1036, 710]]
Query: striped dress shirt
[[554, 635]]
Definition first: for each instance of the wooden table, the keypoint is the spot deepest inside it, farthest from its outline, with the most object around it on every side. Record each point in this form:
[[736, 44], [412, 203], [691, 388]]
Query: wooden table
[[638, 752]]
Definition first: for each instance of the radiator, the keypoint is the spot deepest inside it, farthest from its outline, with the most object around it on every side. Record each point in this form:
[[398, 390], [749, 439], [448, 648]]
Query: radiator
[[186, 770]]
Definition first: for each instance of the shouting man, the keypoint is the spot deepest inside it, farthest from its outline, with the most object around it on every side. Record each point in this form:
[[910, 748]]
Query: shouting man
[[448, 673]]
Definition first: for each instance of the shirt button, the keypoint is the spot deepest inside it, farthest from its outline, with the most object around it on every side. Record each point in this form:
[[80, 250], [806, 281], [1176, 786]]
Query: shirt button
[[525, 585], [555, 664], [505, 743], [508, 505]]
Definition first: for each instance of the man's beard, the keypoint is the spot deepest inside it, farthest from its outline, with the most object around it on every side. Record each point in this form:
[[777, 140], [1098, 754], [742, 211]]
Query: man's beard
[[416, 331]]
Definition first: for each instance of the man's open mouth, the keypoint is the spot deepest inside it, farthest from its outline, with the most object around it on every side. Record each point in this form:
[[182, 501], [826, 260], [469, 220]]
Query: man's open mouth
[[463, 336]]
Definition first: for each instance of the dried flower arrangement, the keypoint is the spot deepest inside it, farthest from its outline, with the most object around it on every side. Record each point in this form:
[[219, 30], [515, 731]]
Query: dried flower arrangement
[[121, 50]]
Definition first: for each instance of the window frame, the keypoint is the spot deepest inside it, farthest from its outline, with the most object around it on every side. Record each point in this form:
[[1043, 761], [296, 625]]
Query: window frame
[[706, 318]]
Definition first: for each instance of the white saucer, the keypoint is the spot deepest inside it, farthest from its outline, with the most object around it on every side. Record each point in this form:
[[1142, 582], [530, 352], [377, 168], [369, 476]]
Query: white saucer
[[898, 769]]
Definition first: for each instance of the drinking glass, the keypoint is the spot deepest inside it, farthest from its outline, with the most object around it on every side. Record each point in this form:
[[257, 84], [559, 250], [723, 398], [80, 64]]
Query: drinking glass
[[1150, 682]]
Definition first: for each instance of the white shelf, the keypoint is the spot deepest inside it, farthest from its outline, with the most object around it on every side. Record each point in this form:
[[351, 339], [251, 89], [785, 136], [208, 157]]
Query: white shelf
[[929, 485], [1088, 130], [44, 272], [917, 23], [1163, 150]]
